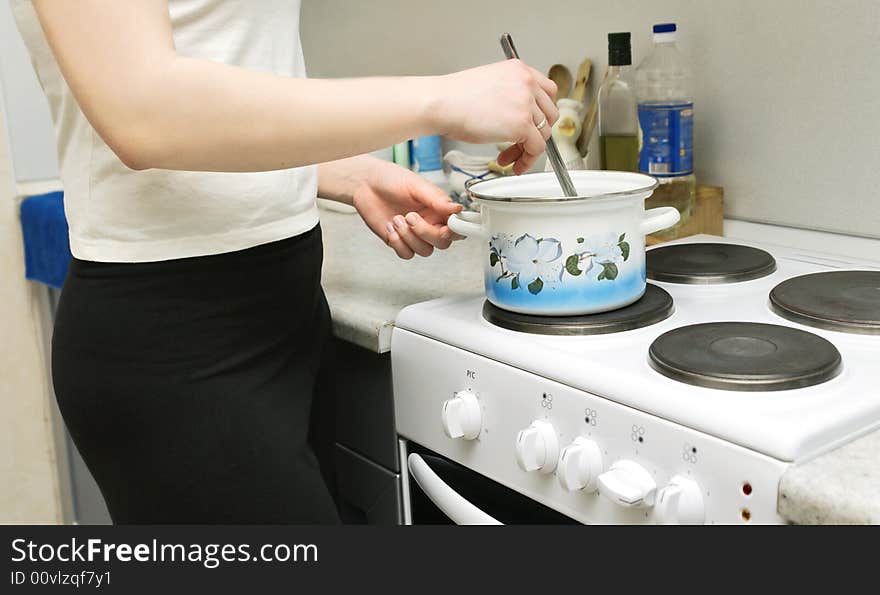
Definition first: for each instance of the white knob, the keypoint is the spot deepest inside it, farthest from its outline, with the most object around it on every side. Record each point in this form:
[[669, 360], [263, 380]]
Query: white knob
[[680, 503], [580, 465], [628, 484], [462, 416], [537, 447]]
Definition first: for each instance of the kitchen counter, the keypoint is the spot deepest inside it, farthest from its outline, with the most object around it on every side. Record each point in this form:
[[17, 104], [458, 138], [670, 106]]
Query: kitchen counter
[[839, 487], [367, 286]]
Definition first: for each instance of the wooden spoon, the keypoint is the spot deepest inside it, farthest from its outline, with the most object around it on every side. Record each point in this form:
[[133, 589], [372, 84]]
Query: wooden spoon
[[589, 123], [583, 77], [560, 75], [587, 128]]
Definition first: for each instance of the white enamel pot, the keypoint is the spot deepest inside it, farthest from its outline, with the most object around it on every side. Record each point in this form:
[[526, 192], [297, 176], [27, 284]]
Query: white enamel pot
[[551, 255]]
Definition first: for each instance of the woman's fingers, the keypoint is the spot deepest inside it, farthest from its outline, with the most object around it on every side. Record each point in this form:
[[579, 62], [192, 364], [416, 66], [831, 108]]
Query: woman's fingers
[[415, 243], [509, 155], [524, 164], [532, 140], [518, 156], [543, 125], [547, 107], [393, 239], [532, 143], [438, 236], [543, 81], [545, 96], [433, 197]]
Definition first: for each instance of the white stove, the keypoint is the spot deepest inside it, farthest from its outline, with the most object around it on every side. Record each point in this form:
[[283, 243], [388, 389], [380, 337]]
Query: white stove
[[588, 427]]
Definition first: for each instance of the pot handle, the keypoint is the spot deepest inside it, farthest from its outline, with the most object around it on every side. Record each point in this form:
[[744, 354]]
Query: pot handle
[[657, 219], [468, 224]]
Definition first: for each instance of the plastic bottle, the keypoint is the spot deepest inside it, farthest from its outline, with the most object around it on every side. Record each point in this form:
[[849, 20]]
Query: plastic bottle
[[426, 153], [427, 160], [400, 154], [666, 115], [618, 109]]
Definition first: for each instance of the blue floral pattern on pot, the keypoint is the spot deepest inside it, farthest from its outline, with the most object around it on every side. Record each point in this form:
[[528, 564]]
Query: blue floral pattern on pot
[[534, 264]]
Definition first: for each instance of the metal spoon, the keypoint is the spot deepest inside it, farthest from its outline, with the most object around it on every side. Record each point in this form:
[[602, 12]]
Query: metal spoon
[[552, 151]]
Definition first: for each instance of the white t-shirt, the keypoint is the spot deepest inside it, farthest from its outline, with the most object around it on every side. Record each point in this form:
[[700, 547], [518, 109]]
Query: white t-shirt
[[120, 215]]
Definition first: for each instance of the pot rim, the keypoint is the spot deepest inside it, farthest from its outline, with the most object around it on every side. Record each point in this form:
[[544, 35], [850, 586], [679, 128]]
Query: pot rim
[[650, 185]]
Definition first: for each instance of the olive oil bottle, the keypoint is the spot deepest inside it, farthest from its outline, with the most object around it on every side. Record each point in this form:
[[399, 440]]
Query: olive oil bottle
[[620, 152], [619, 129]]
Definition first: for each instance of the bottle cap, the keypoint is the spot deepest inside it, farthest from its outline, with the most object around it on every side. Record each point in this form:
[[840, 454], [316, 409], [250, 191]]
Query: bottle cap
[[619, 49], [665, 33], [665, 28]]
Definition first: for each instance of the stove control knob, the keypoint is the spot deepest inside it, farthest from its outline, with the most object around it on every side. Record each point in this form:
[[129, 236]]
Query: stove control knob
[[680, 503], [580, 465], [537, 447], [628, 484], [462, 416]]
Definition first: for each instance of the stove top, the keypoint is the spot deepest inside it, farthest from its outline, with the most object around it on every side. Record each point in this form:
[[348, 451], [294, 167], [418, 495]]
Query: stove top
[[847, 301], [708, 263], [654, 306], [789, 418], [745, 356]]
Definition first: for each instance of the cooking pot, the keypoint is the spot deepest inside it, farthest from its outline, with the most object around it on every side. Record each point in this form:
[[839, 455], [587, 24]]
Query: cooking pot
[[551, 255]]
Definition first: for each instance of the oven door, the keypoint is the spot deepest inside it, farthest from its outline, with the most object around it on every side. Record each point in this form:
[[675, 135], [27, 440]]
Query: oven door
[[441, 491]]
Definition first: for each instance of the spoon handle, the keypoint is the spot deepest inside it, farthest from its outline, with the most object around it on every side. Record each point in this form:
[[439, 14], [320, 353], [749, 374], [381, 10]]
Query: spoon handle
[[552, 150]]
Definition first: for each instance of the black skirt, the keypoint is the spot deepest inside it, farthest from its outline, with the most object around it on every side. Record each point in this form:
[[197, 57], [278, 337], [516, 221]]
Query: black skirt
[[187, 385]]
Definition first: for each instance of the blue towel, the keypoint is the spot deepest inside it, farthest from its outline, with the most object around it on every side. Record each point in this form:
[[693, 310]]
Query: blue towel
[[46, 243]]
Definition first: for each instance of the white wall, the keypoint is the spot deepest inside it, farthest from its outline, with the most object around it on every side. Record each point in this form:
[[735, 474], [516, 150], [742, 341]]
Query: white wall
[[787, 91], [31, 466], [33, 138], [32, 461]]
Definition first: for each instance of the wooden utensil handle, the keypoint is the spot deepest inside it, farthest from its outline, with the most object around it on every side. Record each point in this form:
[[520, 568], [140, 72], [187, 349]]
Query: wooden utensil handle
[[589, 124], [587, 128], [583, 77]]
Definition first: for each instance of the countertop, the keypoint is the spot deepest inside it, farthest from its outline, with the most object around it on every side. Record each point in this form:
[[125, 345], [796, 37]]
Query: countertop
[[367, 286], [839, 487]]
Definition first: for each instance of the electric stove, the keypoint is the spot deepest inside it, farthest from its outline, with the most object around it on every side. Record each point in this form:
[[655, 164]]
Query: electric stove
[[687, 407]]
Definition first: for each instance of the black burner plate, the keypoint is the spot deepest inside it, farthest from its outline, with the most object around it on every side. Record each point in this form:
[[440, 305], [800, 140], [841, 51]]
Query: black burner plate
[[847, 301], [655, 305], [745, 356], [703, 264]]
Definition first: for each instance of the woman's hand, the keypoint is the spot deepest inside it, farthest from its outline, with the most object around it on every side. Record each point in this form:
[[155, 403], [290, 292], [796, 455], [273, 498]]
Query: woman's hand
[[406, 211], [506, 101]]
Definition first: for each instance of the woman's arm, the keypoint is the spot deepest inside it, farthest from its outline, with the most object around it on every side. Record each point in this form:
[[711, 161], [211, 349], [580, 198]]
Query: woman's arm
[[155, 108]]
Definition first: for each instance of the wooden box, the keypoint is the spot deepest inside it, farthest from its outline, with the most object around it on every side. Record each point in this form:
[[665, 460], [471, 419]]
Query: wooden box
[[708, 216]]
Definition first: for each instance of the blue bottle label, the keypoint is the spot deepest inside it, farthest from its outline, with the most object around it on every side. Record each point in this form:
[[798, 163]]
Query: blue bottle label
[[668, 139], [427, 154]]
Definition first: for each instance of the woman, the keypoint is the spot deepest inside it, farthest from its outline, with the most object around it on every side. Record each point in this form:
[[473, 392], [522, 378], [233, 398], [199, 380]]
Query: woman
[[189, 331]]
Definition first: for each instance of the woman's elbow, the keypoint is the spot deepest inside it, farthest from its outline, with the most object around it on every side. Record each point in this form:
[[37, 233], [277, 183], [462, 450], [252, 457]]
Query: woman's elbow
[[133, 144], [133, 158]]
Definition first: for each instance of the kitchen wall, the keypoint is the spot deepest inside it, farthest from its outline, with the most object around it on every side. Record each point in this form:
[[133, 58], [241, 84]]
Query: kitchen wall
[[787, 92], [31, 465], [30, 128]]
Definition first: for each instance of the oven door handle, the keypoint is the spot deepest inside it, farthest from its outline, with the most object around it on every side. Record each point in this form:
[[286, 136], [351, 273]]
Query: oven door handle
[[453, 505]]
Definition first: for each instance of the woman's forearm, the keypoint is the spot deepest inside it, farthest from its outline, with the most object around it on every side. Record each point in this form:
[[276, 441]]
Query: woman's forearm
[[157, 108], [212, 117]]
